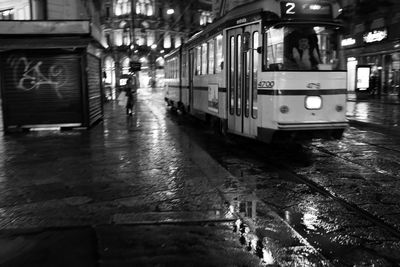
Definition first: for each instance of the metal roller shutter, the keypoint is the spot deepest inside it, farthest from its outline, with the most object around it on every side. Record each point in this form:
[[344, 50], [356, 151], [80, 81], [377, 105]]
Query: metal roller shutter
[[94, 89], [42, 87]]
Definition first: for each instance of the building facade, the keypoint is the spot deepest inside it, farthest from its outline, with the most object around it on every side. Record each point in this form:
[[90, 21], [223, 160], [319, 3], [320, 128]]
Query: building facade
[[144, 31], [372, 46], [50, 54]]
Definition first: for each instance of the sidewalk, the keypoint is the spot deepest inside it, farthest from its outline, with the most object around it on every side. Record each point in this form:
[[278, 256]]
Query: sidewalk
[[381, 112]]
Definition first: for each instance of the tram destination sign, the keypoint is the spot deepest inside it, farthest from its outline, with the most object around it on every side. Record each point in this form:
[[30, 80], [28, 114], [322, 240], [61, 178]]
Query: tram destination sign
[[305, 10]]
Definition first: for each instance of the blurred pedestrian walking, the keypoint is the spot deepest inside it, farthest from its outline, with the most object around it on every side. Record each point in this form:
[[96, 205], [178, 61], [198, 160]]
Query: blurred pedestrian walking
[[131, 92]]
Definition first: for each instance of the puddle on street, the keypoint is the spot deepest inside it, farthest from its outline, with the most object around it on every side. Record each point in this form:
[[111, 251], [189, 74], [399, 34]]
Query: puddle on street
[[269, 238], [261, 234]]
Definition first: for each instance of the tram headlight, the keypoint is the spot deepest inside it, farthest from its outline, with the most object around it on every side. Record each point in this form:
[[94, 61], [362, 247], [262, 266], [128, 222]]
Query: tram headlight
[[313, 102]]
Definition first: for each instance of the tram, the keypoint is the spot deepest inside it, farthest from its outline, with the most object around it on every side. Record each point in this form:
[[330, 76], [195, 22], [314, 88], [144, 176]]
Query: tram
[[268, 70]]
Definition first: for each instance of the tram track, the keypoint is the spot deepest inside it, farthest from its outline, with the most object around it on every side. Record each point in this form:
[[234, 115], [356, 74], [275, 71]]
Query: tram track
[[395, 152], [287, 171], [374, 169], [351, 206], [277, 159]]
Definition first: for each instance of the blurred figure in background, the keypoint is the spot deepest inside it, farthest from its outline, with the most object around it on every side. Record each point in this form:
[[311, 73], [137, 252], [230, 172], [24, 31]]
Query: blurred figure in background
[[131, 92]]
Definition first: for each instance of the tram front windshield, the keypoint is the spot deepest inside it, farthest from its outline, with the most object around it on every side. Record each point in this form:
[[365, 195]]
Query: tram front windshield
[[301, 47]]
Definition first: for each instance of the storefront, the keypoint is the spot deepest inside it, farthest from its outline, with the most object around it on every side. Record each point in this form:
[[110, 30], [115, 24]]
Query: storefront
[[51, 79], [379, 49]]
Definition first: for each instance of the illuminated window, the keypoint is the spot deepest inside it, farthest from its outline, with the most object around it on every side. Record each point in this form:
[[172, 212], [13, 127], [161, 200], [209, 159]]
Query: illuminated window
[[178, 41], [274, 53], [122, 7], [204, 58], [198, 60], [125, 66], [126, 38], [205, 17], [160, 61], [285, 48], [109, 70], [144, 7], [118, 39], [211, 56], [150, 38], [218, 54], [167, 40], [184, 65], [140, 37], [7, 14]]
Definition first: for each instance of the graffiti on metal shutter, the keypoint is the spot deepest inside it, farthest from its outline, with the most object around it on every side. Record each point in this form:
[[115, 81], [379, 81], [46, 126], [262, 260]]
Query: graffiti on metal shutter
[[30, 75]]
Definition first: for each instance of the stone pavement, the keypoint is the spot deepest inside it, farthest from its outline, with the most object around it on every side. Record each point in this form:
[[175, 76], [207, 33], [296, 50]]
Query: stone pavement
[[381, 112], [132, 191]]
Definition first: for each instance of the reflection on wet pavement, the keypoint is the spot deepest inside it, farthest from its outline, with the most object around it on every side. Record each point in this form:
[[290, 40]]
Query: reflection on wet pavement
[[124, 166], [144, 170], [340, 234]]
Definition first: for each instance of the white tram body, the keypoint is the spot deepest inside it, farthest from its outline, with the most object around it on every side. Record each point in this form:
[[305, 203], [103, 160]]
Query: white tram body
[[269, 74]]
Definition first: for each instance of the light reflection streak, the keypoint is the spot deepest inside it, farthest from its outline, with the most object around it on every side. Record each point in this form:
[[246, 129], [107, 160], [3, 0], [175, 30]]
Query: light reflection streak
[[310, 218], [155, 136], [362, 109], [244, 206], [267, 256]]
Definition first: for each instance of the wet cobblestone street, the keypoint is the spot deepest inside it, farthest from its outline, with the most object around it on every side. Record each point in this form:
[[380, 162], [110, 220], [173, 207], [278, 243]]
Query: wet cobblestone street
[[127, 171], [155, 190], [73, 178]]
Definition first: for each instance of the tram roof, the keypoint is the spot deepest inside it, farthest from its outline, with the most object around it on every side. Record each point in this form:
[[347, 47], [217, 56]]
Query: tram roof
[[262, 9]]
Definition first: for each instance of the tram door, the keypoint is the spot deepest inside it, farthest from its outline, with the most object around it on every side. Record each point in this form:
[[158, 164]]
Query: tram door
[[241, 63]]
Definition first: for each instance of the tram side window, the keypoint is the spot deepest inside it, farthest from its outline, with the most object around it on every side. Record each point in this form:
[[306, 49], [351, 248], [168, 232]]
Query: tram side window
[[204, 58], [176, 68], [173, 68], [211, 53], [301, 48], [274, 53], [218, 54], [168, 69], [184, 65], [197, 62]]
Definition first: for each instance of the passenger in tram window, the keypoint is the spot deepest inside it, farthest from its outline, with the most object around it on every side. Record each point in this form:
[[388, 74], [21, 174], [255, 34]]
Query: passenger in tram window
[[305, 53]]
